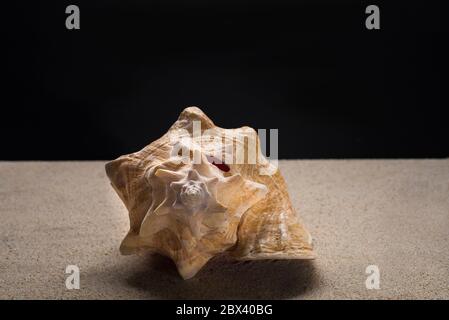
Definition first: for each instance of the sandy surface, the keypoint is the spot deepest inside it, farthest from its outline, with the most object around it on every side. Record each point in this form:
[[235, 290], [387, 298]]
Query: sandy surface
[[393, 214]]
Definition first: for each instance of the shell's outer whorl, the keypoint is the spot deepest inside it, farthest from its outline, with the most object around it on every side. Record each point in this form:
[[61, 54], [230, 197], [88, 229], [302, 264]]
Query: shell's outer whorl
[[186, 204]]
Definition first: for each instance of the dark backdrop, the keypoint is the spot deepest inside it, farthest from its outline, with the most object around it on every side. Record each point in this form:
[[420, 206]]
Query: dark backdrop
[[309, 68]]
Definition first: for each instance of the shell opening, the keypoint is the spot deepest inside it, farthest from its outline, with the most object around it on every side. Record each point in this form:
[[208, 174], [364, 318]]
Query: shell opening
[[218, 163]]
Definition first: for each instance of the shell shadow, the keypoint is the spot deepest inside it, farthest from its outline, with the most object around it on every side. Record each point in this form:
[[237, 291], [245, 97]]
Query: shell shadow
[[224, 278]]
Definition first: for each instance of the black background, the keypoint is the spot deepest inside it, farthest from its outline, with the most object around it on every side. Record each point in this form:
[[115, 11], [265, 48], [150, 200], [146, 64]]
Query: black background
[[309, 68]]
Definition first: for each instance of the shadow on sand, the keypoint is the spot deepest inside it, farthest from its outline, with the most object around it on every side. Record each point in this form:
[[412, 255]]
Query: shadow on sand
[[223, 278]]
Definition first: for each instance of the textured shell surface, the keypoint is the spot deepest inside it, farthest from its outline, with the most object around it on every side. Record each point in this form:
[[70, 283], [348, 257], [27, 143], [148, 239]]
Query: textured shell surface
[[201, 190]]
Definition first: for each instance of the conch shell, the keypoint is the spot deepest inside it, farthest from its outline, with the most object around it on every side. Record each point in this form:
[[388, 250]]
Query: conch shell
[[187, 203]]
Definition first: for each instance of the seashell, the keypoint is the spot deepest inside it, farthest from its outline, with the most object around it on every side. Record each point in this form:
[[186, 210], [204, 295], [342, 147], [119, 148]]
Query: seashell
[[201, 190]]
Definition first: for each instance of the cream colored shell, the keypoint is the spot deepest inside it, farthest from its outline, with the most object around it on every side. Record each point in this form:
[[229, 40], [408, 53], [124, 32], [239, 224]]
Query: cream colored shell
[[184, 204]]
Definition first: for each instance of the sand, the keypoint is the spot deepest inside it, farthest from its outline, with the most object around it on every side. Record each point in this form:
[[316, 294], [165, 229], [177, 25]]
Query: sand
[[390, 213]]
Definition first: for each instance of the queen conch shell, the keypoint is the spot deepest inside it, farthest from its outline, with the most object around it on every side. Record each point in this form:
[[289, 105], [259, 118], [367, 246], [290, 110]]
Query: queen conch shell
[[191, 195]]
